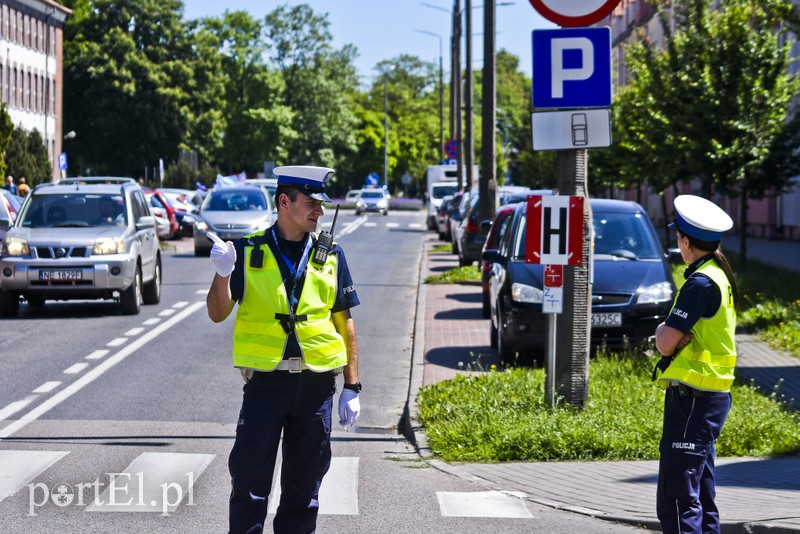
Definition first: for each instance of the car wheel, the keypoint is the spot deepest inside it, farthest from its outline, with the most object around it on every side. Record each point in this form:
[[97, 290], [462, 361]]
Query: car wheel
[[36, 301], [504, 351], [358, 212], [454, 247], [492, 335], [486, 308], [130, 299], [385, 213], [151, 292], [441, 236], [9, 303], [462, 261]]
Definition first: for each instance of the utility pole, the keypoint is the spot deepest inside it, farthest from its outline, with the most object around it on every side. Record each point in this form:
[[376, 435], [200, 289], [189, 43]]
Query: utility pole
[[457, 91], [469, 148], [573, 325], [487, 184]]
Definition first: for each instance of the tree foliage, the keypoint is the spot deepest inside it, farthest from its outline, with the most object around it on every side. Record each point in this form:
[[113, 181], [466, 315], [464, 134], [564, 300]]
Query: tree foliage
[[6, 129], [26, 156]]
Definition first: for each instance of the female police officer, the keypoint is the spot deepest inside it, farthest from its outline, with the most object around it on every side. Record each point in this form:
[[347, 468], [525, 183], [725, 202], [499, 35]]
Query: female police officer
[[697, 341], [293, 334]]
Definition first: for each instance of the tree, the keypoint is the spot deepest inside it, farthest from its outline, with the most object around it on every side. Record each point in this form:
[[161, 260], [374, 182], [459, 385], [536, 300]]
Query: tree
[[128, 69], [6, 129], [26, 155], [711, 104], [319, 85]]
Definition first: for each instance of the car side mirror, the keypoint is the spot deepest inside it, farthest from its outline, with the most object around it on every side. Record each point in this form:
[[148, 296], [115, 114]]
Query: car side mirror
[[145, 222], [493, 256], [486, 225], [5, 224], [674, 255]]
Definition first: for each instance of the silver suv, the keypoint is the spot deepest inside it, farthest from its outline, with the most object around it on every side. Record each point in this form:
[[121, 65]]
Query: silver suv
[[81, 238]]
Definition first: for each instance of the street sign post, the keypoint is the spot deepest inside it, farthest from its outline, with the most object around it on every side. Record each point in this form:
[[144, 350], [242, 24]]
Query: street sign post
[[572, 68], [572, 13], [573, 129], [373, 179], [555, 230]]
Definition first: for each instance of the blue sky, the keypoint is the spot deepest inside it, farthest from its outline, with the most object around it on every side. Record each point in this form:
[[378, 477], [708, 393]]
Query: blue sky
[[384, 29]]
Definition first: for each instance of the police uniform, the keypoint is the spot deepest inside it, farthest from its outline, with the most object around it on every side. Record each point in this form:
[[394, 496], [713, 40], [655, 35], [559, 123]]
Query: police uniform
[[285, 336], [697, 379]]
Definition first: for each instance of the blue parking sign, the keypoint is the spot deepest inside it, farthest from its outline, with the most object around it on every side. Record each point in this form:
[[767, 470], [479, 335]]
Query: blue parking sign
[[62, 161], [572, 68]]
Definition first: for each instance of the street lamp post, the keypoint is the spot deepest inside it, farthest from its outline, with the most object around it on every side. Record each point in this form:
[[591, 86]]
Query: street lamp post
[[385, 131], [441, 92]]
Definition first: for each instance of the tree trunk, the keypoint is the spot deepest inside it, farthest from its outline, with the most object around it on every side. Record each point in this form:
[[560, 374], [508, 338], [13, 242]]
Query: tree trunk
[[743, 227]]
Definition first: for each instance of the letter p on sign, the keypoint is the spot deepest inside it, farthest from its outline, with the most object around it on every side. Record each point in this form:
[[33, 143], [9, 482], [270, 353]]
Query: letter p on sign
[[562, 71]]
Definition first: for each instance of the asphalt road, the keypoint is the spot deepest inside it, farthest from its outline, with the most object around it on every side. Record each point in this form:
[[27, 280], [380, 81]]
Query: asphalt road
[[124, 423]]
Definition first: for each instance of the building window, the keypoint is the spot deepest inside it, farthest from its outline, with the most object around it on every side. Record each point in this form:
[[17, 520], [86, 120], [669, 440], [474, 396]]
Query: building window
[[29, 93], [12, 99]]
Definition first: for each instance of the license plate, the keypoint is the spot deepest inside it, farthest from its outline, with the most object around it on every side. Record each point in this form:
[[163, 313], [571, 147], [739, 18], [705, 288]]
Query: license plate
[[607, 319], [72, 274]]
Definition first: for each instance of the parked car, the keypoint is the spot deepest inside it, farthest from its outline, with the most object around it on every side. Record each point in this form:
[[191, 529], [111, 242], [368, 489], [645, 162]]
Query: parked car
[[632, 287], [467, 234], [372, 200], [453, 217], [167, 225], [13, 202], [352, 197], [494, 229], [82, 238], [232, 212], [441, 219], [185, 210], [6, 216]]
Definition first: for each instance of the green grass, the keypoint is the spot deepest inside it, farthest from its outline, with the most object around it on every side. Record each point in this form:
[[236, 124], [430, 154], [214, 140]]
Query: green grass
[[501, 416], [470, 273], [769, 302], [441, 248]]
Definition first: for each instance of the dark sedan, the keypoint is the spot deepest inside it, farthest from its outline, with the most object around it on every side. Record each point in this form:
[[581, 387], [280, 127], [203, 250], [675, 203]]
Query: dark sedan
[[631, 294]]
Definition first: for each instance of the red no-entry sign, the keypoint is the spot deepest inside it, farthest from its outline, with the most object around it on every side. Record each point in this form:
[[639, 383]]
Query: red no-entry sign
[[572, 13]]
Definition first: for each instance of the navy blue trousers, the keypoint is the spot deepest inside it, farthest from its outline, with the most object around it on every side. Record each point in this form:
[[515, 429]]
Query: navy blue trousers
[[686, 490], [299, 405]]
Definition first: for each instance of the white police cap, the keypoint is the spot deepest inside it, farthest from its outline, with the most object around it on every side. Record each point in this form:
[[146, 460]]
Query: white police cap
[[700, 218], [309, 179]]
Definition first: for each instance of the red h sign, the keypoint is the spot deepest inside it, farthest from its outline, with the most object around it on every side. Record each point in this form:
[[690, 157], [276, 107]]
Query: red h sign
[[554, 230]]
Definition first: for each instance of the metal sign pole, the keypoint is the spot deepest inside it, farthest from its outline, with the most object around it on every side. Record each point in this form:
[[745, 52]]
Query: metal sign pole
[[550, 380]]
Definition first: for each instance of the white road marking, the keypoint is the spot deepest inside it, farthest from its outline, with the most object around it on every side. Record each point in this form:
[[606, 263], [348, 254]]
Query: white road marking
[[352, 227], [134, 331], [201, 292], [95, 373], [392, 225], [154, 482], [370, 225], [338, 494], [15, 407], [118, 342], [167, 312], [414, 225], [97, 355], [18, 468], [152, 321], [181, 304], [481, 504], [76, 368], [47, 387]]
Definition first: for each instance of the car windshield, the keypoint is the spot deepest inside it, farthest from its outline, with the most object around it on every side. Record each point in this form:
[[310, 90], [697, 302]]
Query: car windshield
[[617, 234], [239, 200], [371, 194], [75, 210], [441, 191]]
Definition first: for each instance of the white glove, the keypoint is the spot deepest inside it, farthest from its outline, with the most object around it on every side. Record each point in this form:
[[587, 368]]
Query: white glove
[[348, 408], [223, 255]]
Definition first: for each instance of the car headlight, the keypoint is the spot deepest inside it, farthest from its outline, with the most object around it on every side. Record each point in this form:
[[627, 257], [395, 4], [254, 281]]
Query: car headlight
[[659, 292], [16, 246], [360, 203], [383, 203], [202, 226], [109, 245], [526, 293]]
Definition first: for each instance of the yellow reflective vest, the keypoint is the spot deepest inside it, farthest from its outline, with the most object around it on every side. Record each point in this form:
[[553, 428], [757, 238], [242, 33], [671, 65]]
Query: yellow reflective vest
[[258, 337], [708, 361]]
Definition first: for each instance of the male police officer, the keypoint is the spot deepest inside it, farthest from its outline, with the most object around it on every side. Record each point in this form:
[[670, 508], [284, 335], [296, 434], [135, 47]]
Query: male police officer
[[697, 339], [293, 334]]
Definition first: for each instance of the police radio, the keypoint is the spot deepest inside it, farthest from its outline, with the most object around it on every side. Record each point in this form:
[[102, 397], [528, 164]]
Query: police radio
[[325, 242]]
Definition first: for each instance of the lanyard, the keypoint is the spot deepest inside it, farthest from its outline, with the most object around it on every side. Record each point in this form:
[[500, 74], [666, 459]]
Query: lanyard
[[301, 266]]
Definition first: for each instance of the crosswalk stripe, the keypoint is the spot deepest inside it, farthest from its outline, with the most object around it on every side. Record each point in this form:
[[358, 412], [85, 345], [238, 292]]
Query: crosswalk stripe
[[153, 482], [338, 494], [16, 406], [482, 504], [18, 468]]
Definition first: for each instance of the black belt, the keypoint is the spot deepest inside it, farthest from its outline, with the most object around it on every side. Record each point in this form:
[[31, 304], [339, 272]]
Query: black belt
[[288, 320], [687, 391]]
